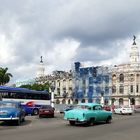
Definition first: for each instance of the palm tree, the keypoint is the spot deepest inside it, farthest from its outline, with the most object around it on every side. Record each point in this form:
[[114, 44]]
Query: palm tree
[[4, 76]]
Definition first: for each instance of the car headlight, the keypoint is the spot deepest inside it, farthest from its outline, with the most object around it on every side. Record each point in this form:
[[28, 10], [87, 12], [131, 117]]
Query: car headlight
[[16, 114]]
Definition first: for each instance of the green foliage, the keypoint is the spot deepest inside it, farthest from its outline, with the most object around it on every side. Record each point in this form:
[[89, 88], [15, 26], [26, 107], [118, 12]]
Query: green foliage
[[36, 86], [4, 76]]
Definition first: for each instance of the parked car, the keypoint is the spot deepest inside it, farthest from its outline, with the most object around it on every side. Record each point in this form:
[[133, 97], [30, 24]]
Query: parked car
[[46, 111], [137, 109], [69, 107], [87, 113], [123, 110], [107, 108], [65, 107], [12, 111]]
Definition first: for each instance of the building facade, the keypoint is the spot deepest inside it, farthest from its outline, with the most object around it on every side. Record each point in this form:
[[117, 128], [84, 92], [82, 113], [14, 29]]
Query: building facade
[[62, 89], [126, 80], [91, 84], [118, 85]]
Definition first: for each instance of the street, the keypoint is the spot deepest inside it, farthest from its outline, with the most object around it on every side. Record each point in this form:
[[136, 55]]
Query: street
[[123, 127]]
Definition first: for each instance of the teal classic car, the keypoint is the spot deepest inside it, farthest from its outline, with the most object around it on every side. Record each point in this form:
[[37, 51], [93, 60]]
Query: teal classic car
[[88, 113]]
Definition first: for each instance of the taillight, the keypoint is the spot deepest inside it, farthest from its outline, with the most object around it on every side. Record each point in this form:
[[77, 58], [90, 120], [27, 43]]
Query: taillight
[[30, 104]]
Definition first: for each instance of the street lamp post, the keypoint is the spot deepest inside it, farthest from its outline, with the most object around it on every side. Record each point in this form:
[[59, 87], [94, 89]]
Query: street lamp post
[[129, 100], [102, 98], [52, 93]]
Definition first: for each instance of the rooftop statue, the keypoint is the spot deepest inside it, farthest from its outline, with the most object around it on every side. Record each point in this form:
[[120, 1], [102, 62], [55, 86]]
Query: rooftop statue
[[41, 60], [134, 38]]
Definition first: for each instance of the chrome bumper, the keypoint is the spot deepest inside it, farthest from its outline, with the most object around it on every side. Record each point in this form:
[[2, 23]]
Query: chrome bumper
[[9, 119]]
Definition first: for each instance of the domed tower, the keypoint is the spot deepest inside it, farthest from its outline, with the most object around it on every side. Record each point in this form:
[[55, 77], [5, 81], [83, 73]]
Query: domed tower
[[134, 54], [41, 69]]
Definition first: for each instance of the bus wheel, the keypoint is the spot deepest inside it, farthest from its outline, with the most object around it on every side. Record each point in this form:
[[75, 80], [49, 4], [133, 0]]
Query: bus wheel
[[35, 111]]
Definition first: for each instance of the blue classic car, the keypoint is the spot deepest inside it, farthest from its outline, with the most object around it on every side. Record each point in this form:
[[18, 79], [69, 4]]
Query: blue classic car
[[11, 111], [88, 113]]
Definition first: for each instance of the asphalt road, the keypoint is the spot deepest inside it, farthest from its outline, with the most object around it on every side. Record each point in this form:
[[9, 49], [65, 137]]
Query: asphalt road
[[123, 127]]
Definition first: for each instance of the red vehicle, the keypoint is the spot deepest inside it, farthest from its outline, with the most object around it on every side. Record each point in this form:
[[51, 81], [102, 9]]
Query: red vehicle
[[46, 111], [107, 108]]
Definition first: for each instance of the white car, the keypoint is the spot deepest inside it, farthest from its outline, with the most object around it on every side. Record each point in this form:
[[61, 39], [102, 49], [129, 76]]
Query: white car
[[123, 110]]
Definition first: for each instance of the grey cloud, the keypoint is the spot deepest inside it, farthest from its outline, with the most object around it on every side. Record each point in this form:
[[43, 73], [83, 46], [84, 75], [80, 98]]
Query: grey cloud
[[96, 24]]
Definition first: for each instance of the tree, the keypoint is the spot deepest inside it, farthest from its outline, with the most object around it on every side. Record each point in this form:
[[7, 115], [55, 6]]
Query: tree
[[36, 86], [4, 76]]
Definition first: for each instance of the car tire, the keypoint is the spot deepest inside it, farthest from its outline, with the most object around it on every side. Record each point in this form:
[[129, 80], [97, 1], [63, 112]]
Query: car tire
[[18, 122], [35, 111], [72, 123], [90, 122], [23, 120], [108, 120], [121, 113]]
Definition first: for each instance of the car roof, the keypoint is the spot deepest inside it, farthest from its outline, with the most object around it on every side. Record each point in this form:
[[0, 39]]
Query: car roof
[[16, 102], [89, 104]]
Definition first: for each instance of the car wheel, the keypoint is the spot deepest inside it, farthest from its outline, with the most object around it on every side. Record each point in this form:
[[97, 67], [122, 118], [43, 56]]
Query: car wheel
[[18, 122], [121, 113], [72, 123], [35, 111], [130, 113], [108, 120], [90, 122], [23, 119]]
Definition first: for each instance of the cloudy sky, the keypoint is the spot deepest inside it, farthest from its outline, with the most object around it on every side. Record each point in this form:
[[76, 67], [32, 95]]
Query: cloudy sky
[[94, 32]]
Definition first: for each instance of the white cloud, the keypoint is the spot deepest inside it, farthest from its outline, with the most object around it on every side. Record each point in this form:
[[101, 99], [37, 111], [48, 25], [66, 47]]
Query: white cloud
[[62, 54], [64, 32]]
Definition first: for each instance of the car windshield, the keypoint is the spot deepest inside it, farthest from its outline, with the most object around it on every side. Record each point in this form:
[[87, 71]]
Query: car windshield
[[82, 107], [7, 105]]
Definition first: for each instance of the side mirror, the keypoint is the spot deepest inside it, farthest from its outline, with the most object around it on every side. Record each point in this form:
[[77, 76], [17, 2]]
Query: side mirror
[[53, 108]]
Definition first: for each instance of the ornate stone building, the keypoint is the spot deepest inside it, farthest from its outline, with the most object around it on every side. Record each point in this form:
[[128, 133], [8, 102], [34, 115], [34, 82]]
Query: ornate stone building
[[126, 80], [62, 85], [91, 84]]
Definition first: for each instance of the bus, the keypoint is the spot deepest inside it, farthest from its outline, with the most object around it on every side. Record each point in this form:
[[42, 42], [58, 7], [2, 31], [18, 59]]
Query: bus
[[31, 100]]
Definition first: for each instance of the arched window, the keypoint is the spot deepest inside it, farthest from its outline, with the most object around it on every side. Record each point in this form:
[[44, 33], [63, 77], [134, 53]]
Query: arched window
[[121, 101], [131, 77], [113, 100], [113, 89], [138, 77], [132, 100], [76, 101], [63, 101], [106, 101], [121, 89], [121, 78], [57, 101], [114, 77], [131, 88], [69, 101], [83, 101]]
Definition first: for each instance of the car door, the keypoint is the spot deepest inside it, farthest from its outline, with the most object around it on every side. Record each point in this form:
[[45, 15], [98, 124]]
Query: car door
[[118, 109], [22, 111], [100, 115]]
